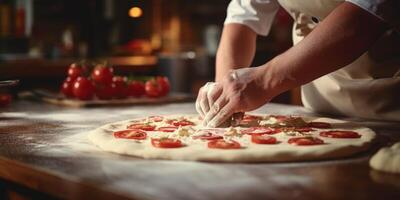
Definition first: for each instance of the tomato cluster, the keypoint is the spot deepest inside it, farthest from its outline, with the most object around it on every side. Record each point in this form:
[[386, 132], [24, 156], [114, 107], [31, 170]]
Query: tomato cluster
[[102, 83]]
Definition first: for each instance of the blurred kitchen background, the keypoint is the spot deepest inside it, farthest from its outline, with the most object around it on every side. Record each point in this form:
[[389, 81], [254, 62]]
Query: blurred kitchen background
[[39, 39]]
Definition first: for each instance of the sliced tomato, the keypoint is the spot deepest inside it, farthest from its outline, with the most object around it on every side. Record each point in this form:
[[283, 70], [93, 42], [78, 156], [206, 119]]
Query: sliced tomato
[[263, 139], [319, 125], [259, 131], [340, 134], [155, 118], [223, 144], [280, 118], [167, 128], [303, 141], [209, 134], [183, 122], [298, 129], [145, 127], [135, 134], [251, 117], [166, 143]]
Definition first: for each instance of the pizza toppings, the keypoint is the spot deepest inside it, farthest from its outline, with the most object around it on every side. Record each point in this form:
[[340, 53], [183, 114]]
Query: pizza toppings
[[250, 120], [305, 141], [231, 132], [295, 129], [319, 125], [168, 129], [259, 131], [135, 134], [263, 139], [223, 144], [155, 118], [340, 134], [166, 143], [142, 126], [209, 134], [183, 132], [182, 122]]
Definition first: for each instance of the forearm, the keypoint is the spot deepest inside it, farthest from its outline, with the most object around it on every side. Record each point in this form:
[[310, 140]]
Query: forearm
[[337, 41], [236, 49]]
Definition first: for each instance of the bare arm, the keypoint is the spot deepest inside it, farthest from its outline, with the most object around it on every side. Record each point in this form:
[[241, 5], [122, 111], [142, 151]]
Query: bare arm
[[236, 49]]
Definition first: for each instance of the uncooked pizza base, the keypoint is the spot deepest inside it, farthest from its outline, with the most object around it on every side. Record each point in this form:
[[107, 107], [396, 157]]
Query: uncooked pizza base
[[197, 150]]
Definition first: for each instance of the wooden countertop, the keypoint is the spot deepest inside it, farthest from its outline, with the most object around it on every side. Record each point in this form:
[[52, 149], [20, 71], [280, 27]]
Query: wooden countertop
[[44, 147]]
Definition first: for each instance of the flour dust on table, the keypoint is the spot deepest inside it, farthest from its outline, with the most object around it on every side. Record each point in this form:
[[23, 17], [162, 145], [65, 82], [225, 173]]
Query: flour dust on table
[[258, 138]]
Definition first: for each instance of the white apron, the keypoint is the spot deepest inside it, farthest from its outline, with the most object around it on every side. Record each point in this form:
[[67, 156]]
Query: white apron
[[367, 88]]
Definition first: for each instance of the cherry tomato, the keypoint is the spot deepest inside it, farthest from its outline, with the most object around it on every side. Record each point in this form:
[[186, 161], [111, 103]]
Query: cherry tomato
[[136, 89], [302, 141], [75, 70], [319, 125], [223, 144], [259, 131], [104, 91], [209, 134], [166, 143], [340, 134], [145, 127], [83, 88], [102, 74], [5, 99], [167, 129], [67, 87], [183, 122], [263, 139], [121, 89], [131, 134], [152, 88], [164, 84]]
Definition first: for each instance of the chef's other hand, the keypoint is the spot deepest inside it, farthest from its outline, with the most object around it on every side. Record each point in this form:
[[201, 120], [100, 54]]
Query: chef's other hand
[[240, 91]]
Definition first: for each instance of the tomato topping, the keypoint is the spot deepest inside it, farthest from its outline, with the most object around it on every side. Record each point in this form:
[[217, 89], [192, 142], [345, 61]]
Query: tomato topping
[[340, 134], [223, 144], [183, 122], [131, 134], [167, 128], [209, 134], [145, 127], [301, 130], [305, 141], [251, 117], [319, 125], [166, 143], [155, 118], [263, 139], [259, 131]]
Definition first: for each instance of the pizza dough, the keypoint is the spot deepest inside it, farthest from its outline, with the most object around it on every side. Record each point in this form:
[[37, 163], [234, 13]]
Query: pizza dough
[[387, 159], [197, 150]]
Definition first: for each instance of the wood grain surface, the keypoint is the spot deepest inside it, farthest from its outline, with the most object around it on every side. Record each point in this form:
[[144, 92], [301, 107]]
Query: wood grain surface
[[44, 147]]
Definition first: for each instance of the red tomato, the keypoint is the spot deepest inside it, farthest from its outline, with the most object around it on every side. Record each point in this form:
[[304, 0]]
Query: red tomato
[[223, 144], [263, 139], [166, 143], [121, 89], [131, 134], [167, 128], [105, 91], [305, 141], [136, 89], [251, 117], [83, 89], [145, 127], [5, 99], [340, 134], [102, 74], [164, 83], [319, 125], [183, 122], [67, 87], [259, 131], [75, 70], [152, 88], [155, 118], [209, 134]]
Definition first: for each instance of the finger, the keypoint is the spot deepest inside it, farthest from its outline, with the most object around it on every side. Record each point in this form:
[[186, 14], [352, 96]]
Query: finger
[[213, 93], [224, 114], [198, 107], [237, 117], [216, 107], [204, 105]]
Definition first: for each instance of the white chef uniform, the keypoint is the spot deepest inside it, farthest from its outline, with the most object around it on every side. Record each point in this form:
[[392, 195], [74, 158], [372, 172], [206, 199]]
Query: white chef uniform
[[369, 87]]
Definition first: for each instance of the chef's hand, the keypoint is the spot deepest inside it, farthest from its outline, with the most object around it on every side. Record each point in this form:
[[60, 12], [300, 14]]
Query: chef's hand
[[240, 91]]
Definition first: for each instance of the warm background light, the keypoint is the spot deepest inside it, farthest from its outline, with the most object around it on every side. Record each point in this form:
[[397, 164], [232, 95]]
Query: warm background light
[[135, 12]]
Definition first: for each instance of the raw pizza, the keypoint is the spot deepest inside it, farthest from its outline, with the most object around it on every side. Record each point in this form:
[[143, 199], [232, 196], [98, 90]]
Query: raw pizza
[[258, 138]]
